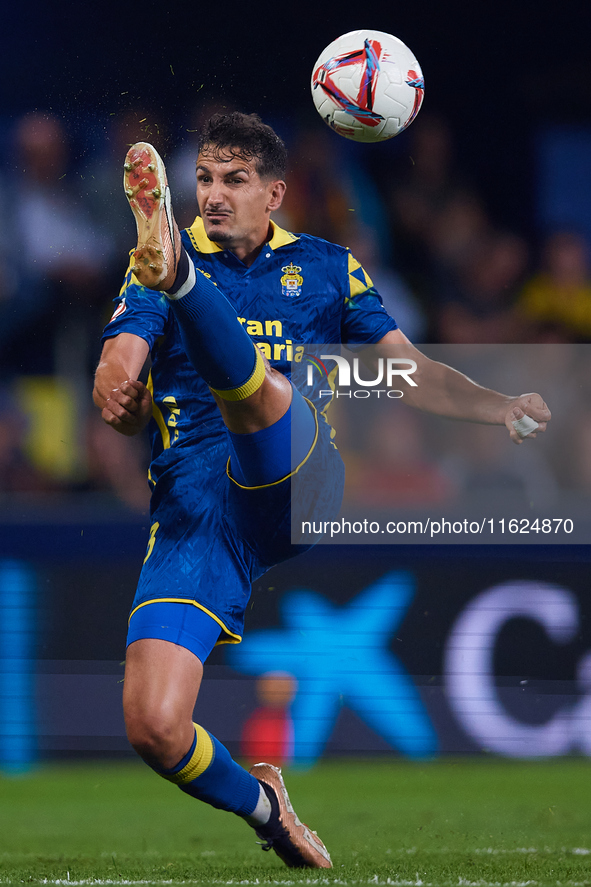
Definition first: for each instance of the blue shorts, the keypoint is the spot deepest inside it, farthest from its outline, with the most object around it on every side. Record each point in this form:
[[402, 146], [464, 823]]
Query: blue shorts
[[211, 537], [184, 624]]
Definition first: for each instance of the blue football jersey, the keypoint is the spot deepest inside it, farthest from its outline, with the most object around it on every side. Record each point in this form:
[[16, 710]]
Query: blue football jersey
[[300, 290]]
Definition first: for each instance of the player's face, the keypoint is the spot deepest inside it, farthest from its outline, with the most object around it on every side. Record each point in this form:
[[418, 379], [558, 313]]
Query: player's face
[[235, 203]]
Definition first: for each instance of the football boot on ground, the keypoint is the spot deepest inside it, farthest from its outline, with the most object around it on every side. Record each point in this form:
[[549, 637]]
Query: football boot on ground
[[159, 241], [292, 841]]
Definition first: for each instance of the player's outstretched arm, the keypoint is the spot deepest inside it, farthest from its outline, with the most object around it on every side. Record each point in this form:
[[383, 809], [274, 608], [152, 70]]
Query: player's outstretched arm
[[125, 402], [445, 391]]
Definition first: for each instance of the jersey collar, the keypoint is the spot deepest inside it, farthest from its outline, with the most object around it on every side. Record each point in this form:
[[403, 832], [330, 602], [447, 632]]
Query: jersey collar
[[203, 244], [280, 237]]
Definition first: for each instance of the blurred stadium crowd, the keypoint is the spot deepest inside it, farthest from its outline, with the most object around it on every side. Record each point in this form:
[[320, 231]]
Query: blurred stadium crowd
[[446, 271]]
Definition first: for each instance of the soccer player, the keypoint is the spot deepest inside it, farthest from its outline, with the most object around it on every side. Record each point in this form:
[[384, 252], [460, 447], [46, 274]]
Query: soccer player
[[222, 308]]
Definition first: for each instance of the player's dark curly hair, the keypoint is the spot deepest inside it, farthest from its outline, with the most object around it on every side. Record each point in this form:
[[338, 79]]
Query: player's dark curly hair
[[248, 138]]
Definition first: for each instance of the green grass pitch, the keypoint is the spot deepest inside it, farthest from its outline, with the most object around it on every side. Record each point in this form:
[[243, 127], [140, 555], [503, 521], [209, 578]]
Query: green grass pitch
[[467, 823]]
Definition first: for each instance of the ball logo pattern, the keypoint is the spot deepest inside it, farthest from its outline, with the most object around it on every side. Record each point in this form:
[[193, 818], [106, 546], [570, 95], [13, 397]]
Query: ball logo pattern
[[367, 86]]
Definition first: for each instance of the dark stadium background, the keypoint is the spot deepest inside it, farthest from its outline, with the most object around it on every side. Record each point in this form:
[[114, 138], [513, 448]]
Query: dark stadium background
[[502, 75], [499, 72]]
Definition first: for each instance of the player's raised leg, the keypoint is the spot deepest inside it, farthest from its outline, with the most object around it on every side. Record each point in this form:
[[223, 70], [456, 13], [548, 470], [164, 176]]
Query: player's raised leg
[[251, 395]]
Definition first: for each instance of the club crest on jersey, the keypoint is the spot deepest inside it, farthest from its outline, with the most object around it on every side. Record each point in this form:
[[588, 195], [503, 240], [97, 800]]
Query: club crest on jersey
[[292, 280]]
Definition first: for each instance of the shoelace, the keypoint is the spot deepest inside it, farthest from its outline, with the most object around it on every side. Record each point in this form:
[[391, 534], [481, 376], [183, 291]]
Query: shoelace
[[280, 833]]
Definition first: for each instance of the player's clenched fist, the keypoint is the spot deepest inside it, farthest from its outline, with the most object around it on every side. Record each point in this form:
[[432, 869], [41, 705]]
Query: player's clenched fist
[[527, 415], [128, 408]]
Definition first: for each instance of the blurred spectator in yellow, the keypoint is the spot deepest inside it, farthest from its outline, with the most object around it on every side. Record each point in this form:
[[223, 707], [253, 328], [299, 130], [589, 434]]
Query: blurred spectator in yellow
[[17, 473], [557, 300]]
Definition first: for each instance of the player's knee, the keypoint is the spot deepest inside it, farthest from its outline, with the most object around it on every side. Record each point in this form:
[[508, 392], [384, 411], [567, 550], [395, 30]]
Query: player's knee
[[261, 408], [153, 734]]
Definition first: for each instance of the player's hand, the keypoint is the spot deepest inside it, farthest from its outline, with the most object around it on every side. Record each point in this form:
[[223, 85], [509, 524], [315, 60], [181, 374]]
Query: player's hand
[[128, 408], [526, 405]]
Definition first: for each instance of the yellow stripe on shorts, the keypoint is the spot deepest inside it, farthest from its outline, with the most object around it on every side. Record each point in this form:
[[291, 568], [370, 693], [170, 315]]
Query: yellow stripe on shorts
[[200, 759], [250, 386]]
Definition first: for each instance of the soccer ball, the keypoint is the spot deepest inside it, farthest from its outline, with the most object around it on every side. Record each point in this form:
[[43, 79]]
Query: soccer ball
[[367, 86]]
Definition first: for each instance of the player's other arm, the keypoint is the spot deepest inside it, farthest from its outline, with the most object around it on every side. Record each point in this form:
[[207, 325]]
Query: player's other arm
[[125, 402], [446, 392]]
